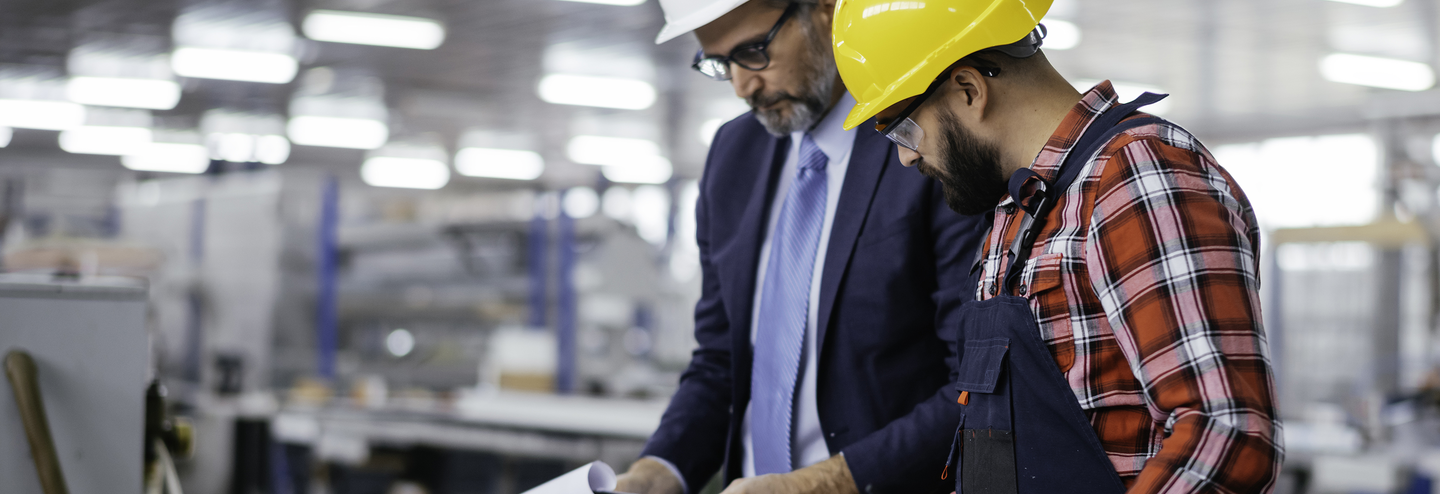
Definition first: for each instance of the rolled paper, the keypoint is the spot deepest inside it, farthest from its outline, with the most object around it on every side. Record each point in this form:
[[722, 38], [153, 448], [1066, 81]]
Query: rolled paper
[[594, 477]]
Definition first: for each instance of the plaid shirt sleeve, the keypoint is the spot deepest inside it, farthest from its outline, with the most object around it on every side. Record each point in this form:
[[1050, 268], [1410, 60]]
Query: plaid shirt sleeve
[[1172, 254]]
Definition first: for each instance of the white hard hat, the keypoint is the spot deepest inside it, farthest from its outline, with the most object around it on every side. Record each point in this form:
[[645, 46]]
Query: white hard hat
[[683, 16]]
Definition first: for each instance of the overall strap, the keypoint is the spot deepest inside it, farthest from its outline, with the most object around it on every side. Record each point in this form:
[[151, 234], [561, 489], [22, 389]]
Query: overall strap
[[1104, 128]]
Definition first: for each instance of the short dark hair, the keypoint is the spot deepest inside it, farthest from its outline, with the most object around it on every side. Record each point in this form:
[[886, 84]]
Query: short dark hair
[[1010, 66], [1017, 56], [782, 4]]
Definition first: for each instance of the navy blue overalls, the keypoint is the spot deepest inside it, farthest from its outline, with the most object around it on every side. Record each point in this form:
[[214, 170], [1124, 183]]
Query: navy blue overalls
[[1023, 430]]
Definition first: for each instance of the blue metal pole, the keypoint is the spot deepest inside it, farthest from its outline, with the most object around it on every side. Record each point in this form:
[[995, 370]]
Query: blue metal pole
[[326, 260], [645, 323], [194, 303], [537, 249], [281, 482], [565, 312], [197, 231]]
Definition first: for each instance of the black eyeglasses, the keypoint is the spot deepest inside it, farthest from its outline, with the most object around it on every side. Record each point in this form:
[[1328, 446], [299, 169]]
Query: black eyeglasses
[[752, 56]]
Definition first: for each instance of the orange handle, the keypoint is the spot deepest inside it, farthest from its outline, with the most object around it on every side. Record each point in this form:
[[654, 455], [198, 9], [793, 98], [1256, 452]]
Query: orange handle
[[20, 370]]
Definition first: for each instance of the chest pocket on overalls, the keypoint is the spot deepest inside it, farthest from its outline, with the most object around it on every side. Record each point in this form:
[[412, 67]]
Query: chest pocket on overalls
[[980, 365]]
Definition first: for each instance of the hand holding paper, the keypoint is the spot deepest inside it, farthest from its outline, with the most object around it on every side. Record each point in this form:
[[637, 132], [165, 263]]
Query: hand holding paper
[[649, 476], [831, 476]]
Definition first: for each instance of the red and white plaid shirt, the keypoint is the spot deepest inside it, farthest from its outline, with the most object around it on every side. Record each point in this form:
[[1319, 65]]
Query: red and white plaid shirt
[[1145, 283]]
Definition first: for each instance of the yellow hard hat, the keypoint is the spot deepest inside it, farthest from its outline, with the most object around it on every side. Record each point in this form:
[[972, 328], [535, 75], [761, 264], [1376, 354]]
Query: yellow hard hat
[[890, 50]]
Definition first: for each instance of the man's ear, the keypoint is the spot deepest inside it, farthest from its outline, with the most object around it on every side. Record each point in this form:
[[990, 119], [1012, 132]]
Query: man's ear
[[972, 91], [826, 10]]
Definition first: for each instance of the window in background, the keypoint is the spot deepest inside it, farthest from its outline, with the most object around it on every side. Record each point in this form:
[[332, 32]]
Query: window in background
[[1307, 181]]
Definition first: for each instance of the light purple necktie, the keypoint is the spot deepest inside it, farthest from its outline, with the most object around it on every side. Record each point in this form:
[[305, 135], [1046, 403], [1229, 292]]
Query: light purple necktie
[[784, 310]]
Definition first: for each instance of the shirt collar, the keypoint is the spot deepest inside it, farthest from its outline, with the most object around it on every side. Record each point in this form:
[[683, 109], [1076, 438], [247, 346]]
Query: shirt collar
[[1063, 140], [830, 134]]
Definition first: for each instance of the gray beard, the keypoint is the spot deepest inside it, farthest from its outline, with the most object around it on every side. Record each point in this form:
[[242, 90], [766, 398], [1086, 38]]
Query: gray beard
[[818, 76], [802, 117]]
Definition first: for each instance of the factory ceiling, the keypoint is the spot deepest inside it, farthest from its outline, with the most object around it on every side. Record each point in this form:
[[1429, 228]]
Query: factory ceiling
[[1237, 69]]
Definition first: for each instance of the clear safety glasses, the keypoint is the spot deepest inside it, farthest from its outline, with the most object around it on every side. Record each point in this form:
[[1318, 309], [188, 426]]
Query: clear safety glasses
[[905, 132], [753, 56]]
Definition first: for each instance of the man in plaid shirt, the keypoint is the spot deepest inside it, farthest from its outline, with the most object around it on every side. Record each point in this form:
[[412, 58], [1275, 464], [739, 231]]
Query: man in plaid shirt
[[1124, 350]]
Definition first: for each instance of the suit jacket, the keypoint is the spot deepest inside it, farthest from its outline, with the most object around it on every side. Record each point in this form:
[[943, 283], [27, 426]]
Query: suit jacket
[[892, 283]]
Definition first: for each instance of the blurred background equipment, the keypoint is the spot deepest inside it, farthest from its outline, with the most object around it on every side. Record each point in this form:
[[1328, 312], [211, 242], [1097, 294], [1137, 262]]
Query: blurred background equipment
[[20, 371], [166, 438], [75, 357], [447, 246]]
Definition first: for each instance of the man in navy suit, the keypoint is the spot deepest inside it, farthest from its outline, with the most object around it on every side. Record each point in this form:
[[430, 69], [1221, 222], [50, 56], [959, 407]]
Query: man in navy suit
[[830, 278]]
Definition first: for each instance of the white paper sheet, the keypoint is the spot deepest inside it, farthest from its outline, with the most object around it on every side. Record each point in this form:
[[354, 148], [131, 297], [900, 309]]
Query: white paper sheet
[[591, 478]]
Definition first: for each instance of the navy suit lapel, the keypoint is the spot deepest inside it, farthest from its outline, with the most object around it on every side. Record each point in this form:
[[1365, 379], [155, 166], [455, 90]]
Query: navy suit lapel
[[769, 159], [867, 161]]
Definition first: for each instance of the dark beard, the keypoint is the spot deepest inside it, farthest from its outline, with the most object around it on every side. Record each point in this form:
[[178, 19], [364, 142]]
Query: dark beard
[[972, 181]]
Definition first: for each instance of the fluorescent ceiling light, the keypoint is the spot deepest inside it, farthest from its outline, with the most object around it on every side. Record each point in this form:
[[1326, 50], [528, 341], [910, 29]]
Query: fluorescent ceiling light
[[1388, 73], [611, 2], [41, 114], [373, 29], [169, 157], [5, 134], [604, 92], [96, 139], [647, 170], [408, 173], [499, 163], [335, 132], [599, 150], [580, 202], [246, 148], [153, 94], [234, 147], [1061, 35], [1373, 3], [272, 149], [234, 65]]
